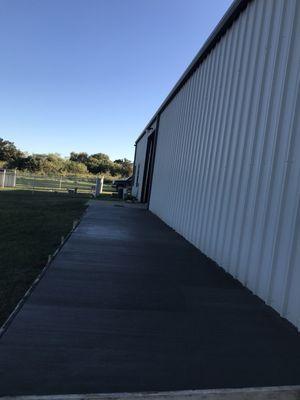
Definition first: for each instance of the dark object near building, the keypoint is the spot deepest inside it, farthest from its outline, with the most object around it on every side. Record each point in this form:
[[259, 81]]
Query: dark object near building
[[122, 183], [72, 191]]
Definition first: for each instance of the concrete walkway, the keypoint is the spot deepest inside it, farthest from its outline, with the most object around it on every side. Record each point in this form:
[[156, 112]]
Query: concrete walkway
[[128, 305]]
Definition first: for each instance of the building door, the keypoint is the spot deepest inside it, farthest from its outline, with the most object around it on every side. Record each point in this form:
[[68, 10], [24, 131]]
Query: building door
[[148, 169]]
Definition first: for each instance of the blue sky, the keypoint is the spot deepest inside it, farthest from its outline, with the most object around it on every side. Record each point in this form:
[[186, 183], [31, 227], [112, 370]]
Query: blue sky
[[87, 75]]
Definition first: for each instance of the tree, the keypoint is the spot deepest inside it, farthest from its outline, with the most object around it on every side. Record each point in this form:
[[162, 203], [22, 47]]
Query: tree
[[32, 163], [124, 167], [99, 163], [42, 163], [79, 157], [8, 151], [76, 168], [101, 157], [52, 163]]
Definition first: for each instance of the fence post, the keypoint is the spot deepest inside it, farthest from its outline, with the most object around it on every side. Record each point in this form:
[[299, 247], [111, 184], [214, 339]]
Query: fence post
[[15, 178], [2, 181], [99, 186], [60, 182]]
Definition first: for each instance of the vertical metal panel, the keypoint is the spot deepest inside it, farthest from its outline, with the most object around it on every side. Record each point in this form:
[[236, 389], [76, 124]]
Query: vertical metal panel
[[227, 167]]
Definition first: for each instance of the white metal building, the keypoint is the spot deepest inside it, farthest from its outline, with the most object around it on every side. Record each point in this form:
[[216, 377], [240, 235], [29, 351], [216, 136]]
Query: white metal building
[[220, 160]]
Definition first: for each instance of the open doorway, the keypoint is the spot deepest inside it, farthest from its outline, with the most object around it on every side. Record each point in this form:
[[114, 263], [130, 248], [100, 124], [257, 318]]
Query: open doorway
[[148, 169]]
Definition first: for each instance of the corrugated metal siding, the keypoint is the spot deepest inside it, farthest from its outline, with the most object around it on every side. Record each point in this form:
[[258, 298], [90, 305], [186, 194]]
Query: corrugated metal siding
[[227, 167]]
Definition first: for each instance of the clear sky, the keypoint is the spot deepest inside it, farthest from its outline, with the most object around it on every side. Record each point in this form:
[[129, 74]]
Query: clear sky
[[87, 75]]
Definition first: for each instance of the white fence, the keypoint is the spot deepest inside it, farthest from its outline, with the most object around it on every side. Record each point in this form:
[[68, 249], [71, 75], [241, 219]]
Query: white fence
[[8, 178], [56, 183], [21, 181]]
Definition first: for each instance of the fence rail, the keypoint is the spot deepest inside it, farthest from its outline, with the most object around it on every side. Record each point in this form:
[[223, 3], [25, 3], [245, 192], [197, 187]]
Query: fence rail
[[14, 179], [57, 184]]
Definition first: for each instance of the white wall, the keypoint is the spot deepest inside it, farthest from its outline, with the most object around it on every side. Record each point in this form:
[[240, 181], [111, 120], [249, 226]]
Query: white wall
[[227, 168]]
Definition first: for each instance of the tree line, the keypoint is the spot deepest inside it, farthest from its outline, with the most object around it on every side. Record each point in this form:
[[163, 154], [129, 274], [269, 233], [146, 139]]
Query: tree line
[[77, 164]]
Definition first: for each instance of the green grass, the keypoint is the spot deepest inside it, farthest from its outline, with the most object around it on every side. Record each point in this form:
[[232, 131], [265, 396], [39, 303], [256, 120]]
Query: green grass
[[31, 226]]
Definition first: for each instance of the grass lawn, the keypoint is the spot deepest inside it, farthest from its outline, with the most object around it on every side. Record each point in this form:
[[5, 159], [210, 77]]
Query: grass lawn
[[31, 226]]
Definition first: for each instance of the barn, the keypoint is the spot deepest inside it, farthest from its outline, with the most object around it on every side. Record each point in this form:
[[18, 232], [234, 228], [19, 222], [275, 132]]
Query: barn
[[219, 162]]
